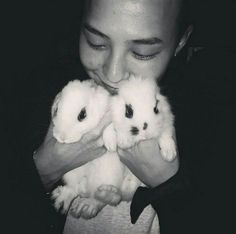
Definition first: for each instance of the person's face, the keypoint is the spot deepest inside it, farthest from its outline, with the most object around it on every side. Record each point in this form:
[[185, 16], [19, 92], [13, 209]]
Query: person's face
[[120, 38]]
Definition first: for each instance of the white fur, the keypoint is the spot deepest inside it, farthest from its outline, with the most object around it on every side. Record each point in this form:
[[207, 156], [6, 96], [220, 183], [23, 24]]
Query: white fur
[[85, 180], [117, 181], [68, 104], [106, 170], [142, 94]]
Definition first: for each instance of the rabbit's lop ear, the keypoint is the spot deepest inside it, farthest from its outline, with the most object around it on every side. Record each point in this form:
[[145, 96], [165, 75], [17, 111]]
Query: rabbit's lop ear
[[55, 105], [156, 109]]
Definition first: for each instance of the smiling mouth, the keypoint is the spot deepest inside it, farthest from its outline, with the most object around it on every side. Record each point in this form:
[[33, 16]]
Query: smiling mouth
[[108, 87]]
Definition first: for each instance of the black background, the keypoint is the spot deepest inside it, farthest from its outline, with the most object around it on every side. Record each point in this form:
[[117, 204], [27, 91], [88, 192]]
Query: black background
[[38, 33]]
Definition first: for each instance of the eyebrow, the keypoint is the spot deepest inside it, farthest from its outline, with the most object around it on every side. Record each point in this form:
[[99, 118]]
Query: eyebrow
[[148, 41], [95, 31], [144, 41]]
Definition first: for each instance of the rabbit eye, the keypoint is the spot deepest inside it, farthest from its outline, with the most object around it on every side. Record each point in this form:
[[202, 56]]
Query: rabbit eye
[[129, 111], [155, 109], [82, 115]]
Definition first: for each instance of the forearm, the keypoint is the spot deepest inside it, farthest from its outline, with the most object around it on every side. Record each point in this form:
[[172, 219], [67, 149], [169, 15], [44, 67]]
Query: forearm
[[49, 174], [157, 172], [54, 159], [172, 193], [146, 162]]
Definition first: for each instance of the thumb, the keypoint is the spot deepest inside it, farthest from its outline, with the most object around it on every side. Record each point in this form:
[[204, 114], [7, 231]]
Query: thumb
[[106, 120], [100, 141], [97, 131]]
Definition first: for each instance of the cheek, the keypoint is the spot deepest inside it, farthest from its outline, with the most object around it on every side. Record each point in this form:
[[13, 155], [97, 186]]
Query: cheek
[[154, 68], [91, 59]]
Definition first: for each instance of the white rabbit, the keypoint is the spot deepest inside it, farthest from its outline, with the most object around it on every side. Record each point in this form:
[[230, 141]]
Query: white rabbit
[[76, 110], [141, 112]]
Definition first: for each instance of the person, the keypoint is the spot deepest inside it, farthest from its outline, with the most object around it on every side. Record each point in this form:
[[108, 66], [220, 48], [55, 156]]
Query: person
[[120, 38], [110, 52]]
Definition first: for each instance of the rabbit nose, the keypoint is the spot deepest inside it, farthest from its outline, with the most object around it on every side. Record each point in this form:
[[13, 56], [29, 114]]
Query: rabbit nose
[[134, 131], [145, 125]]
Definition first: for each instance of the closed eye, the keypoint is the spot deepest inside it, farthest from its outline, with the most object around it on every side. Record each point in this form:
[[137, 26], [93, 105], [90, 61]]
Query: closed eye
[[82, 115], [144, 57], [96, 46]]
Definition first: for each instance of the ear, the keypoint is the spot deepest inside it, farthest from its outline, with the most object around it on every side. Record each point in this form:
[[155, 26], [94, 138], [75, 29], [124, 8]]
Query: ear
[[158, 96], [55, 105], [184, 39], [155, 108]]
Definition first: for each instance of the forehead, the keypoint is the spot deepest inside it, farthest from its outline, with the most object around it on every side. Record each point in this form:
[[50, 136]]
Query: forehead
[[145, 16]]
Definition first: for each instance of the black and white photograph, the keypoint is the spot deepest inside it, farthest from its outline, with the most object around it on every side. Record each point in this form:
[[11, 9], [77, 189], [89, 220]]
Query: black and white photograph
[[118, 117]]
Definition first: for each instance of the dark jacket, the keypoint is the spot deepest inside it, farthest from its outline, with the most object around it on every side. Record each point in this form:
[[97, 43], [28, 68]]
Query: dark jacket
[[198, 199]]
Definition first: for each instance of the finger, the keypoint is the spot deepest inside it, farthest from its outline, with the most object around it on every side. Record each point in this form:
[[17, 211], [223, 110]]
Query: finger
[[100, 142], [120, 151], [88, 137], [128, 152], [88, 156], [98, 152], [125, 157], [86, 144], [146, 145], [97, 131], [123, 154], [106, 120]]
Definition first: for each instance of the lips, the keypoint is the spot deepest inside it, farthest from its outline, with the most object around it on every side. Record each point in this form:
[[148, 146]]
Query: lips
[[109, 87]]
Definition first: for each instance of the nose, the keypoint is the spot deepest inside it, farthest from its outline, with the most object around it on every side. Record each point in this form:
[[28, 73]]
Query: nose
[[115, 68]]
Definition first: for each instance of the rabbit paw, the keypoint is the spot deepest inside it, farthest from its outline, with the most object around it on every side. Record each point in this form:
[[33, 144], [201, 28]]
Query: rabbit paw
[[129, 186], [86, 208], [124, 141], [109, 138], [168, 148], [62, 197], [108, 194]]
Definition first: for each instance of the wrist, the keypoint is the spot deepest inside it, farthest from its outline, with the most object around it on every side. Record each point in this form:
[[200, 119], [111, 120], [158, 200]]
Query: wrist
[[155, 173]]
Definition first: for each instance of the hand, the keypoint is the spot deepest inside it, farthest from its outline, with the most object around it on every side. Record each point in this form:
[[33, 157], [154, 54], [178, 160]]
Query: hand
[[146, 162], [54, 159]]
